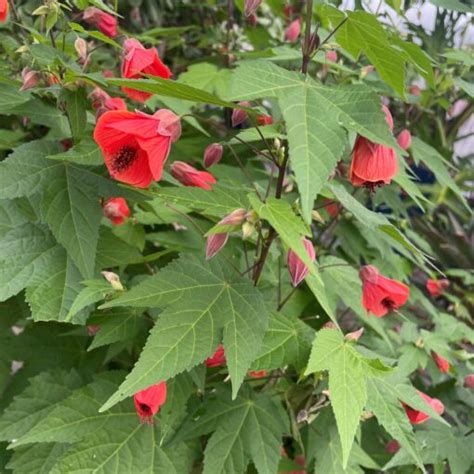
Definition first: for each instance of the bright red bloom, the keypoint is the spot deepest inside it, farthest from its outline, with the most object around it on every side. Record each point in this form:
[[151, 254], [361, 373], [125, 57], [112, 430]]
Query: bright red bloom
[[436, 287], [381, 294], [258, 374], [298, 270], [3, 11], [190, 176], [416, 416], [105, 22], [331, 56], [293, 30], [441, 362], [136, 145], [149, 401], [469, 381], [218, 358], [117, 210], [138, 61], [264, 119], [404, 139]]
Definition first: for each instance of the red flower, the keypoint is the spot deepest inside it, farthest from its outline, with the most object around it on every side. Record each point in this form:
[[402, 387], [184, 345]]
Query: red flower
[[441, 362], [258, 374], [3, 11], [149, 401], [373, 164], [469, 381], [106, 23], [136, 145], [404, 139], [116, 209], [138, 61], [416, 416], [298, 270], [218, 358], [381, 294], [115, 103], [293, 30], [264, 119], [190, 176], [436, 287]]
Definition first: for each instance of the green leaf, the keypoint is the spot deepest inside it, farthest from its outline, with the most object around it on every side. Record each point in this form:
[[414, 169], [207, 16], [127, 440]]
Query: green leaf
[[26, 170], [12, 214], [348, 370], [11, 97], [291, 228], [75, 104], [95, 290], [207, 77], [247, 428], [453, 5], [467, 87], [437, 164], [37, 458], [26, 253], [114, 252], [84, 153], [94, 34], [203, 300], [72, 210], [316, 118]]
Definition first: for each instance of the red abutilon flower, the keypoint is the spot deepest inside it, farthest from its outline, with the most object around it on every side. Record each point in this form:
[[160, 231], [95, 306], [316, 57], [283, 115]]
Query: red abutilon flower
[[190, 176], [469, 381], [137, 61], [404, 139], [298, 270], [331, 56], [264, 119], [215, 242], [240, 116], [136, 145], [416, 416], [381, 294], [117, 210], [213, 154], [218, 358], [437, 287], [105, 22], [3, 11], [293, 30], [258, 374], [148, 401], [392, 446], [29, 78], [441, 362]]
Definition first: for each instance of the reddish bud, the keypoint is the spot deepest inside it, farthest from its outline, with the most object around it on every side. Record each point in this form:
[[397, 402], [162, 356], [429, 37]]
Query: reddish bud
[[252, 20], [293, 30], [416, 417], [189, 176], [404, 139], [93, 329], [213, 154], [331, 56], [80, 45], [218, 358], [469, 381], [329, 325], [240, 116], [441, 362], [437, 287], [381, 294], [298, 270], [264, 119], [250, 6], [113, 279], [114, 103], [108, 73], [215, 242], [148, 402], [29, 78], [105, 22], [354, 336], [388, 116], [258, 374], [236, 217], [392, 446], [98, 96], [415, 90], [117, 210]]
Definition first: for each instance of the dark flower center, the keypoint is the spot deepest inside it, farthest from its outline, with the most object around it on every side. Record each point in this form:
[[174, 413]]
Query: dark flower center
[[373, 186], [124, 158], [388, 303], [145, 408]]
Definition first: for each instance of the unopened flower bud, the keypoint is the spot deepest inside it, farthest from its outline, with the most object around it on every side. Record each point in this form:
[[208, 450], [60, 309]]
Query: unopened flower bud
[[213, 154], [420, 343], [264, 119], [329, 325], [392, 446], [113, 279], [247, 230], [240, 116], [469, 381], [354, 336], [251, 6], [331, 56], [215, 243], [404, 139], [293, 30], [252, 20], [276, 144], [234, 218], [80, 45], [29, 78], [93, 329], [297, 268], [366, 70]]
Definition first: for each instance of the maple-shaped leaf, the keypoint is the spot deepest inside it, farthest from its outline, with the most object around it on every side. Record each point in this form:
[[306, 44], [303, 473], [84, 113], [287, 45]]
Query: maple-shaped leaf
[[247, 428], [206, 303], [317, 118], [348, 372]]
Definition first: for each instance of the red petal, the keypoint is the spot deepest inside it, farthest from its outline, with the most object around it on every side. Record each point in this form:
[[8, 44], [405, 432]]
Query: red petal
[[158, 150]]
